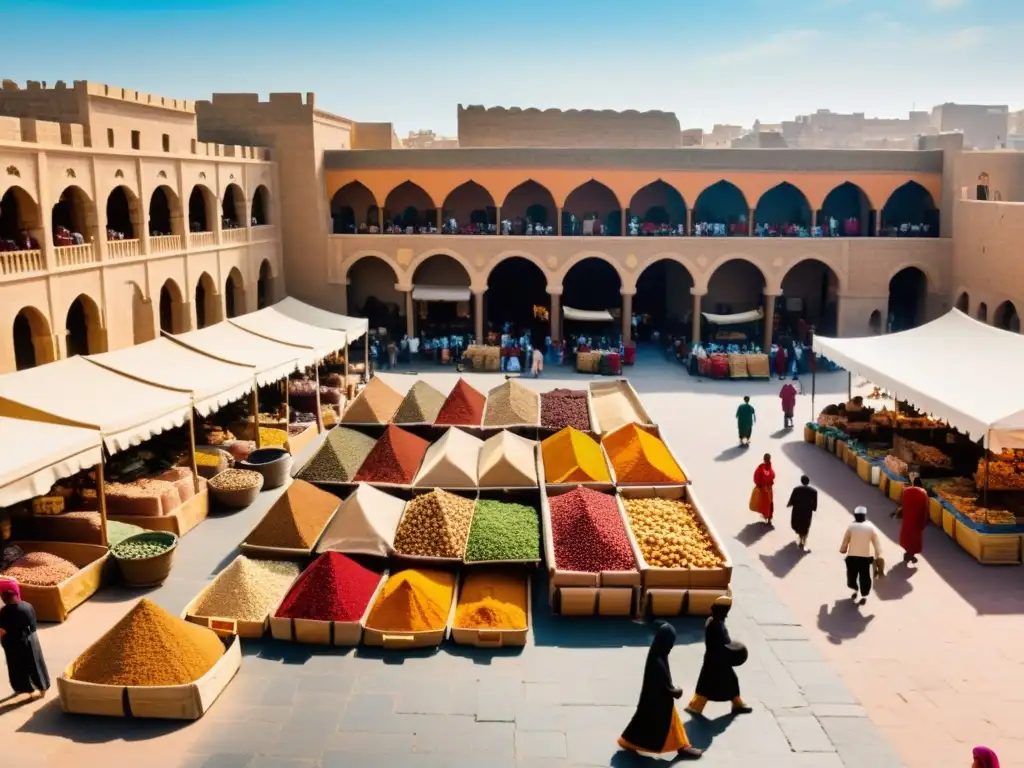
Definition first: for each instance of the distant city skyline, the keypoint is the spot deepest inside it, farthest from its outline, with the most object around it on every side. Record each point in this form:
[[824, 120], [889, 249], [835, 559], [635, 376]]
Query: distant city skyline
[[411, 64]]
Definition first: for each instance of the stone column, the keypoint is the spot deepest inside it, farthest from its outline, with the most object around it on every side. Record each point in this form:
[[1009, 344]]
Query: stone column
[[497, 219], [478, 315], [380, 219], [769, 319], [814, 219], [558, 220], [556, 314], [751, 222], [440, 218], [689, 221], [622, 223], [627, 316], [695, 323], [878, 223], [410, 314]]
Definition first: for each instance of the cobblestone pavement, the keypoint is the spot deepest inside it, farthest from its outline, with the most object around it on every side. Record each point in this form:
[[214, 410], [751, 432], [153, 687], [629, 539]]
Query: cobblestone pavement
[[831, 686]]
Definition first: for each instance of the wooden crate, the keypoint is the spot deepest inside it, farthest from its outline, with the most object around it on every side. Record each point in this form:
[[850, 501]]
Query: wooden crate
[[851, 459], [895, 490], [651, 429], [883, 483], [179, 522], [407, 640], [168, 702], [626, 390], [599, 485], [287, 553], [809, 433], [949, 523], [56, 602], [497, 638], [935, 511], [863, 469], [990, 548], [343, 634], [819, 439]]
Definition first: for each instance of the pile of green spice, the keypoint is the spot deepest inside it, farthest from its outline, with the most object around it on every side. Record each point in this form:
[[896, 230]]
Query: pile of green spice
[[420, 406], [143, 546], [118, 532], [502, 531], [339, 458]]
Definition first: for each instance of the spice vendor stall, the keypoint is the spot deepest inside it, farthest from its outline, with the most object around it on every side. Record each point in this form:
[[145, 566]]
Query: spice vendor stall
[[354, 328], [588, 359]]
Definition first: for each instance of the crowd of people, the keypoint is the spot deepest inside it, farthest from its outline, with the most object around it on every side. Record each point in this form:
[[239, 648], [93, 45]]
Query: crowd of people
[[22, 242]]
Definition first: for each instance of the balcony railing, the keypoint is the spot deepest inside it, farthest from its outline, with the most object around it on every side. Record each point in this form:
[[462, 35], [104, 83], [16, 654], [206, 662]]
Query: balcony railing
[[165, 244], [13, 263], [202, 239], [75, 255], [263, 232], [122, 249], [234, 236]]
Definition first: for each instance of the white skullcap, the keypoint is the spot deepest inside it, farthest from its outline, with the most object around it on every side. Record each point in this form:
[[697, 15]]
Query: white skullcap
[[861, 511]]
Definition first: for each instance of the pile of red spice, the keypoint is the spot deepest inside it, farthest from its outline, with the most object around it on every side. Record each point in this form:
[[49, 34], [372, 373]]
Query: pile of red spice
[[588, 533], [394, 459], [333, 588], [464, 406]]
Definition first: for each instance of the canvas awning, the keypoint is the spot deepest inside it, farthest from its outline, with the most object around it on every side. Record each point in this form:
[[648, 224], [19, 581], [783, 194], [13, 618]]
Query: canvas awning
[[44, 454], [587, 316], [78, 393], [919, 366], [751, 316], [277, 326], [354, 327], [272, 360], [440, 293], [213, 383]]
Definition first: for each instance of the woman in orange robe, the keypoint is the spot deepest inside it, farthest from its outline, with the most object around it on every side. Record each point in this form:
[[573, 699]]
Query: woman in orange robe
[[764, 481]]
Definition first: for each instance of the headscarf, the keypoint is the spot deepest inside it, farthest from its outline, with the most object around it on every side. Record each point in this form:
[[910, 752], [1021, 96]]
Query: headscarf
[[720, 608], [860, 514], [985, 757], [9, 586], [664, 640]]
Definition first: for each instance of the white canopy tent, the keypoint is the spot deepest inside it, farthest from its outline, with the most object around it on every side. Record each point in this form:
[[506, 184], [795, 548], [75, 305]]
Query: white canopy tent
[[272, 360], [45, 453], [277, 326], [78, 393], [212, 382], [751, 316], [919, 366], [354, 327], [587, 316]]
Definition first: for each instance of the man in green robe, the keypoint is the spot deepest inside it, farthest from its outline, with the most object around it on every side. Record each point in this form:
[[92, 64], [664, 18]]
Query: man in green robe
[[745, 419]]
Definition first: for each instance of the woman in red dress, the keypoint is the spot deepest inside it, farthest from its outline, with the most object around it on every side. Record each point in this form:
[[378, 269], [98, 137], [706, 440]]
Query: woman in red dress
[[764, 482], [914, 506], [781, 362]]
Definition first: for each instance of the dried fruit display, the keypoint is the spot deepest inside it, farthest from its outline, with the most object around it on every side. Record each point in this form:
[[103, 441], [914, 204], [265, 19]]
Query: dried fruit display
[[1005, 471], [670, 534], [896, 466], [913, 452]]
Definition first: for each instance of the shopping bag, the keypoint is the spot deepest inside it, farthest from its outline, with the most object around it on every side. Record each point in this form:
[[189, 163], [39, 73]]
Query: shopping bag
[[755, 500]]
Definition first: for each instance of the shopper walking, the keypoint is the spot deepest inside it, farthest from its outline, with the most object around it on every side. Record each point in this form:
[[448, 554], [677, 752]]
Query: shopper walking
[[788, 396], [984, 758], [26, 668], [861, 546], [717, 680], [762, 500], [804, 503], [745, 418], [914, 511]]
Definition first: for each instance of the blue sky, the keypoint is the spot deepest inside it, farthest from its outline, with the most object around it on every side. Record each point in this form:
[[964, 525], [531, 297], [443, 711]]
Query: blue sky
[[411, 63]]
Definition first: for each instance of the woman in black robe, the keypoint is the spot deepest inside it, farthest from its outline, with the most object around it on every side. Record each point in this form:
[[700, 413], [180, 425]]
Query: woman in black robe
[[25, 666], [656, 726], [718, 681], [804, 503]]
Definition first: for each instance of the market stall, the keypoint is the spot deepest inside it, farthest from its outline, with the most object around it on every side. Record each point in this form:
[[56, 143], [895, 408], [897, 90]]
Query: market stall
[[442, 311], [590, 358], [731, 355], [355, 328]]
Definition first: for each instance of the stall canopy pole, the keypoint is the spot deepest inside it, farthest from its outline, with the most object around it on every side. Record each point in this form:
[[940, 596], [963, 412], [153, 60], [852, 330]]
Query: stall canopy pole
[[814, 381], [319, 411], [192, 445], [984, 497], [255, 407], [348, 352], [366, 360], [101, 497], [849, 386]]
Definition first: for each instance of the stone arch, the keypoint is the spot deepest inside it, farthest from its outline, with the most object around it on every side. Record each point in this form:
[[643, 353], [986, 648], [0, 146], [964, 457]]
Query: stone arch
[[927, 269], [83, 326], [233, 208], [124, 215], [596, 209], [173, 310], [409, 205], [234, 294], [473, 209], [1006, 317], [264, 285], [371, 279], [982, 312], [963, 302], [875, 323], [784, 209], [165, 214], [909, 210], [259, 211], [513, 254], [389, 260], [73, 213], [735, 283], [202, 209], [817, 284], [143, 329], [516, 283], [559, 277], [19, 212], [823, 260], [442, 268], [722, 204], [353, 209], [411, 270], [659, 208], [591, 280], [530, 203], [663, 299], [207, 301], [850, 206], [908, 298], [704, 279], [33, 340]]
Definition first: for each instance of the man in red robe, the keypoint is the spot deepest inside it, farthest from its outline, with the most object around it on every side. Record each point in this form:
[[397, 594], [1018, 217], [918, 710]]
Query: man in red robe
[[764, 482], [914, 507]]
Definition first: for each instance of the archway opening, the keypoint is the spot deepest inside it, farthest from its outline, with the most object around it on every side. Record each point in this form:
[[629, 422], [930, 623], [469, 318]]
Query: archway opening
[[260, 210], [657, 209], [592, 209], [910, 212], [72, 214], [234, 294], [983, 312], [408, 209], [594, 285], [263, 285], [354, 210], [32, 343], [372, 294], [663, 301], [810, 301], [142, 317], [908, 294], [735, 286], [19, 221], [875, 323], [721, 210], [846, 212], [451, 314], [122, 212], [163, 212], [207, 302], [530, 209], [232, 208], [469, 210], [783, 211], [200, 209], [82, 327], [1006, 317], [515, 287], [963, 302], [172, 308]]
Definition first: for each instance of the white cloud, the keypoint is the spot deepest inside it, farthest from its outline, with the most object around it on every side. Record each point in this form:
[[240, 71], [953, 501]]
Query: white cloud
[[783, 45]]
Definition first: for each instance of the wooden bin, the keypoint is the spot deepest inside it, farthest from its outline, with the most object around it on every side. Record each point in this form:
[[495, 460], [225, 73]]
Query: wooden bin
[[222, 625], [841, 450], [654, 430], [864, 469], [935, 510], [990, 548], [819, 439], [496, 638], [809, 433], [406, 640], [602, 485], [851, 458], [167, 702], [179, 522], [895, 490], [949, 523], [56, 602], [625, 389], [288, 553], [883, 483], [343, 634]]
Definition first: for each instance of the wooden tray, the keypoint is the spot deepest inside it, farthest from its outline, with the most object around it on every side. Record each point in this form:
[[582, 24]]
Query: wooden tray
[[170, 702], [895, 490], [343, 634], [406, 640], [496, 638], [990, 548], [287, 553], [597, 485], [223, 626], [935, 510], [626, 389], [681, 602], [296, 443], [179, 522], [863, 469], [56, 602], [656, 432], [949, 523]]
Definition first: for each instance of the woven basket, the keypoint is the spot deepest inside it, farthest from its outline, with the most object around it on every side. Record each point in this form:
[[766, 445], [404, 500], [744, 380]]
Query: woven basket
[[275, 470], [153, 571], [236, 499], [225, 461]]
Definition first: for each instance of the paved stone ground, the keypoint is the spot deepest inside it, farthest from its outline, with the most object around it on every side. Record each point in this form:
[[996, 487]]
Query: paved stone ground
[[937, 639]]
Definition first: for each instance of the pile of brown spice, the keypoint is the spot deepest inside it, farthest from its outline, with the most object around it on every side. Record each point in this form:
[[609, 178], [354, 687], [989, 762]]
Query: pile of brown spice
[[296, 519], [376, 404]]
